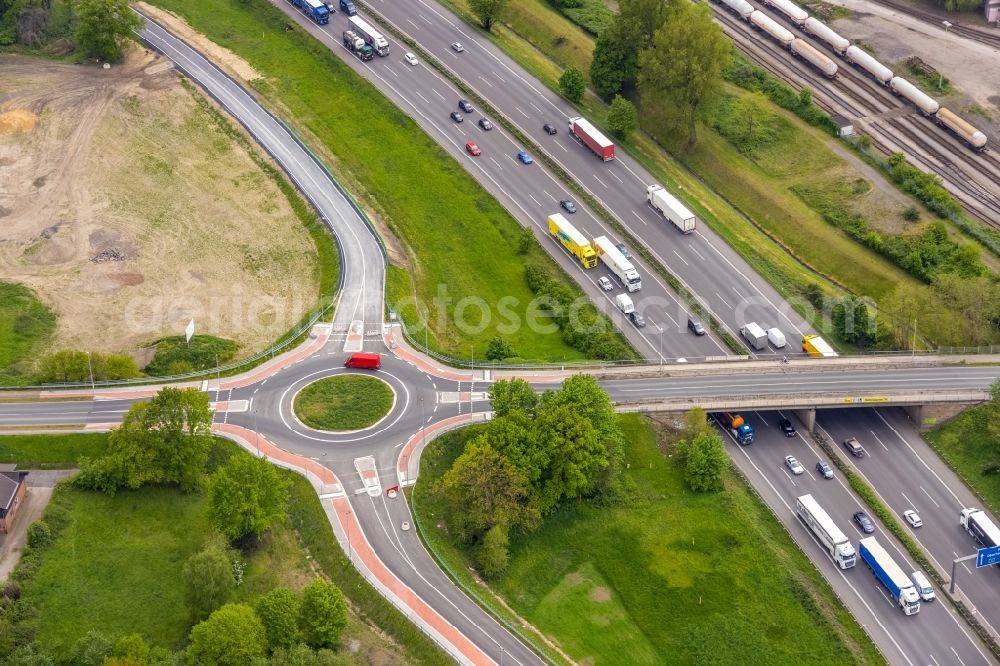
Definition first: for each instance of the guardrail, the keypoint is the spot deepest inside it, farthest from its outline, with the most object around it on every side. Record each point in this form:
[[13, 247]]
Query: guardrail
[[802, 401]]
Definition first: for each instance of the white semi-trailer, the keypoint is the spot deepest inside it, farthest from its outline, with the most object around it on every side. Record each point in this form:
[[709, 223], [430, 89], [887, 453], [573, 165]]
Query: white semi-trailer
[[819, 522], [616, 262], [980, 527], [371, 36], [670, 208]]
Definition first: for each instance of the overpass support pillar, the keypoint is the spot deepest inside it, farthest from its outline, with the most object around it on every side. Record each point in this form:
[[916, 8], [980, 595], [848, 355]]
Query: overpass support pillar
[[916, 414], [808, 418]]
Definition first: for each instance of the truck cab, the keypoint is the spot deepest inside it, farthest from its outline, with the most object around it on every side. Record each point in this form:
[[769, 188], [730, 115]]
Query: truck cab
[[348, 7], [741, 430]]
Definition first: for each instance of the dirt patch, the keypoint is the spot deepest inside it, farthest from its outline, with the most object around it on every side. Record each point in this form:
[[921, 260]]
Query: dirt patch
[[17, 121], [222, 57], [600, 593], [129, 212], [574, 578]]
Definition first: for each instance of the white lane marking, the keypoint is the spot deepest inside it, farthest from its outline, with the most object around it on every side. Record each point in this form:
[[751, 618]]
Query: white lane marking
[[502, 80], [957, 657], [390, 70], [879, 440], [538, 203], [485, 81], [437, 93], [495, 162], [536, 107], [521, 112], [696, 252], [600, 181], [413, 24], [929, 496], [922, 462], [562, 146], [723, 301], [909, 502], [426, 101], [639, 217], [681, 258], [428, 21], [615, 176]]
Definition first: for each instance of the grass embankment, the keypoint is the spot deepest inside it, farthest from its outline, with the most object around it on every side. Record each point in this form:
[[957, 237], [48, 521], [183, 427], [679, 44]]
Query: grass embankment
[[56, 451], [967, 445], [26, 325], [461, 240], [781, 233], [344, 402], [677, 577], [117, 567]]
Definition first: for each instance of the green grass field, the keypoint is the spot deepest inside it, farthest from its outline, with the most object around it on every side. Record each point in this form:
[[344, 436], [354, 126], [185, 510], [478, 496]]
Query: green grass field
[[344, 402], [25, 327], [967, 445], [676, 578], [117, 567], [462, 239], [56, 451]]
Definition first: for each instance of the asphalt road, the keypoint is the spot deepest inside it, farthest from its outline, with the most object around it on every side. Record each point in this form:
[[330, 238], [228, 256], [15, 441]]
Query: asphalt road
[[725, 283], [909, 475], [935, 635], [529, 192]]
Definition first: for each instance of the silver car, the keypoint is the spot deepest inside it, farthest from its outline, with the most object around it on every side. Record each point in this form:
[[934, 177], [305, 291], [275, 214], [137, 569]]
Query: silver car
[[605, 283], [794, 465]]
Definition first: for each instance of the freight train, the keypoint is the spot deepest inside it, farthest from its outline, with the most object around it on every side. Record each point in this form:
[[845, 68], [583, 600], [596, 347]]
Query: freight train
[[926, 104]]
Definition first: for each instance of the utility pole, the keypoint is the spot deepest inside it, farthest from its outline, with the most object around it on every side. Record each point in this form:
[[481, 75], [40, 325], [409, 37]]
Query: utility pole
[[256, 434], [472, 380], [90, 367]]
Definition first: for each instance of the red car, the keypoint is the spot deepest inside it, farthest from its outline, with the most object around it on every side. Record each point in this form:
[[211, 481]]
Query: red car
[[473, 148]]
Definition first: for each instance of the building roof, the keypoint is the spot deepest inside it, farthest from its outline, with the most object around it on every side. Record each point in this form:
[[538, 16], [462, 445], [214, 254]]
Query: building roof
[[10, 482], [840, 121]]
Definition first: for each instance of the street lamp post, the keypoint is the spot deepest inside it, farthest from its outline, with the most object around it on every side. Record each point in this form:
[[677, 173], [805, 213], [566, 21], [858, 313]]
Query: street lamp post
[[90, 368], [472, 380]]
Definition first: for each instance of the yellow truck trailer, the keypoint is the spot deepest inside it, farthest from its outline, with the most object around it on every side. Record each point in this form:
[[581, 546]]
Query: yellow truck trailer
[[817, 347], [572, 240]]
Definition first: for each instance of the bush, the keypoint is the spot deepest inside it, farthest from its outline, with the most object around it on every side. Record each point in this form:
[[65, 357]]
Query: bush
[[323, 614], [12, 590], [622, 118], [498, 349], [173, 354], [92, 649], [39, 534], [208, 580], [231, 636], [279, 611], [572, 84]]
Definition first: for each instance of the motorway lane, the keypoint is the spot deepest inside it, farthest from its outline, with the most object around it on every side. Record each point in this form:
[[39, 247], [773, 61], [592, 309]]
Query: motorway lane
[[62, 412], [725, 283], [362, 264], [908, 474], [935, 635], [529, 192], [848, 381]]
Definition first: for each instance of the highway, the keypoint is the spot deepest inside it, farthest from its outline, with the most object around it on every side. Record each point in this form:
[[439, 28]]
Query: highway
[[723, 281], [935, 635], [367, 462]]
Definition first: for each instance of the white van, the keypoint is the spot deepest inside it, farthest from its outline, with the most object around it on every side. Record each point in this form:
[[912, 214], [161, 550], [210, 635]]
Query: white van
[[923, 586], [776, 337], [624, 303]]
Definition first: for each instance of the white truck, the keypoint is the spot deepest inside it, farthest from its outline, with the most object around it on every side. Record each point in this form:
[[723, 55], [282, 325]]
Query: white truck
[[980, 527], [755, 336], [833, 540], [624, 303], [669, 207], [616, 262], [371, 36]]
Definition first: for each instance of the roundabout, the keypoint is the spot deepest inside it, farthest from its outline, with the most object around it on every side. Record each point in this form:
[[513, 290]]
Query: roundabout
[[343, 403]]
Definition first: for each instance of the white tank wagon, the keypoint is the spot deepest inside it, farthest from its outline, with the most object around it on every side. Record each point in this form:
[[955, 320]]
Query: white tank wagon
[[927, 104], [826, 34], [764, 22], [811, 54], [965, 131], [866, 62], [743, 8], [795, 14]]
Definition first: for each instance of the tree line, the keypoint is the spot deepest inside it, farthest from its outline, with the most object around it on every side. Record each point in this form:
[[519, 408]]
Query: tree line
[[93, 28]]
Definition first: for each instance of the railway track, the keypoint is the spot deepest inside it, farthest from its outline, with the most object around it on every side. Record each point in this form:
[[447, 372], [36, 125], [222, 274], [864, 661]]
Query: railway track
[[990, 37], [856, 95]]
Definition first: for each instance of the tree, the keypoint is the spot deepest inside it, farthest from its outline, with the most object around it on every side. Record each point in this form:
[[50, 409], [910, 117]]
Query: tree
[[487, 10], [279, 611], [585, 396], [132, 649], [91, 649], [576, 455], [29, 655], [510, 394], [103, 27], [648, 15], [231, 636], [164, 440], [208, 579], [32, 24], [64, 366], [615, 63], [572, 84], [303, 655], [246, 496], [498, 349], [493, 556], [622, 117], [323, 614], [681, 70], [706, 463], [484, 489]]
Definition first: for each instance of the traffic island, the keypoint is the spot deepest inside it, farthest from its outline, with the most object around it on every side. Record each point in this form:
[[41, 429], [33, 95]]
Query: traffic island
[[344, 402]]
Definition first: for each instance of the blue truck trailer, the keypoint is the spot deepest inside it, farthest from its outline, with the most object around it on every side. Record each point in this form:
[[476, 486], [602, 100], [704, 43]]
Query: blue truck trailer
[[314, 9], [890, 575]]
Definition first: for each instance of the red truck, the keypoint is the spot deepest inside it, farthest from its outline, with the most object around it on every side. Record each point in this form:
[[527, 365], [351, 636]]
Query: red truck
[[588, 135], [363, 360]]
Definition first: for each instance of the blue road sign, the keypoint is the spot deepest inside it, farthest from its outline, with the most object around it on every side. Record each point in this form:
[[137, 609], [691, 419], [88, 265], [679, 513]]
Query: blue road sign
[[987, 556]]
